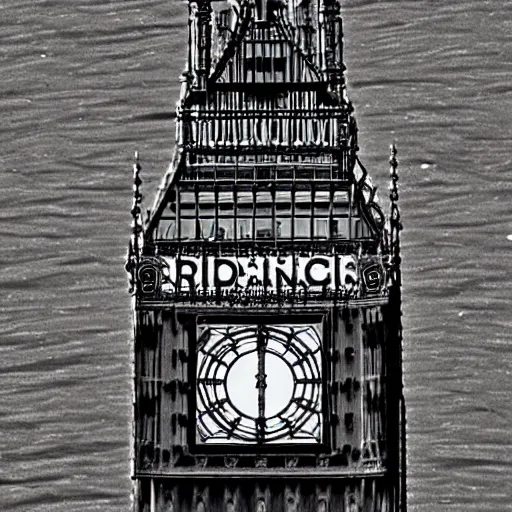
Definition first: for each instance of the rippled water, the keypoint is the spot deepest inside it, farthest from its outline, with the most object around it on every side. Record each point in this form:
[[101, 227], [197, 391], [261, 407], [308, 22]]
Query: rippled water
[[85, 83]]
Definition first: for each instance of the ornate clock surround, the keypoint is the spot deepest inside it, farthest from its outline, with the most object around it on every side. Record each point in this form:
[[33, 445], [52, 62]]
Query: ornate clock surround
[[310, 384]]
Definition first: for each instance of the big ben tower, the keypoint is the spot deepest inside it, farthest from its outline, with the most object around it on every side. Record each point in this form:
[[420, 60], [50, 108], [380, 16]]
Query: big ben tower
[[266, 283]]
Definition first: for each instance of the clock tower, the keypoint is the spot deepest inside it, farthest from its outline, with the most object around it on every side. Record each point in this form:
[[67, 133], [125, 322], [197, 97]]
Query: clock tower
[[266, 283]]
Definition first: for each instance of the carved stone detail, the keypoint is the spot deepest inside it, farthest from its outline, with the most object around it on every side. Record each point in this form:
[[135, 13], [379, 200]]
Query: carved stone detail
[[261, 462], [201, 461], [260, 506], [231, 462], [323, 461], [322, 505], [291, 462], [292, 499]]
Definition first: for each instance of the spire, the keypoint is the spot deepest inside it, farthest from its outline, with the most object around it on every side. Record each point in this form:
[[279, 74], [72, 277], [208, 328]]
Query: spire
[[136, 240], [395, 222], [136, 208]]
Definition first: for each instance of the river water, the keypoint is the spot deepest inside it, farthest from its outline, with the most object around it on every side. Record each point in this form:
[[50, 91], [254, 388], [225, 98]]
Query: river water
[[86, 83]]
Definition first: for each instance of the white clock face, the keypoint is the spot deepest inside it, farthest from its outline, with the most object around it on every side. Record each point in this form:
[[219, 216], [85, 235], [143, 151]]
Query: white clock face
[[259, 384]]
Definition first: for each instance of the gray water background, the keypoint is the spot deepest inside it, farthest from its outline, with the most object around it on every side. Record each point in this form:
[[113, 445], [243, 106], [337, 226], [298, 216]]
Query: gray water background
[[83, 84]]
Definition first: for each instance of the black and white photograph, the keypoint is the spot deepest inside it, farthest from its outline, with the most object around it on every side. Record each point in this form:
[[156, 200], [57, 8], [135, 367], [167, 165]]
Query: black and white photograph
[[256, 256]]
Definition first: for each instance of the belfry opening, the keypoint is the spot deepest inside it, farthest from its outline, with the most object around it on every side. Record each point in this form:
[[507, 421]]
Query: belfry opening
[[266, 282]]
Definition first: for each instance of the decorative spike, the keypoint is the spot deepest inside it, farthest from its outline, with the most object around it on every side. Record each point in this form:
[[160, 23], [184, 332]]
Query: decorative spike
[[136, 241], [137, 197], [393, 186], [395, 222]]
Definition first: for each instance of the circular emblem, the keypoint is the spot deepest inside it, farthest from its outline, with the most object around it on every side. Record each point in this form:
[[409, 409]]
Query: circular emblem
[[373, 277], [149, 277]]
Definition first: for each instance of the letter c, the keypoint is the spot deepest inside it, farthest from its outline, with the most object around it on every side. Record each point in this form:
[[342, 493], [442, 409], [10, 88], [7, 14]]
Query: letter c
[[313, 280]]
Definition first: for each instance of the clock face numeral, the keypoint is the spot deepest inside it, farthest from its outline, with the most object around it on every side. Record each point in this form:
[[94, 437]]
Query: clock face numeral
[[259, 384]]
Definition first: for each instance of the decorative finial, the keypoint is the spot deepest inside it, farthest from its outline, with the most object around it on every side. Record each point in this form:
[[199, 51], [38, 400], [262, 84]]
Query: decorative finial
[[395, 222], [393, 186], [137, 182], [136, 208], [134, 248]]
